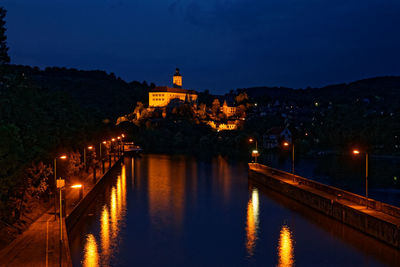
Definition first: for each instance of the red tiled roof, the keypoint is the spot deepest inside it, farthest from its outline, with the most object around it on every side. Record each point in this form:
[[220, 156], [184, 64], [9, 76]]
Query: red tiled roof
[[172, 90]]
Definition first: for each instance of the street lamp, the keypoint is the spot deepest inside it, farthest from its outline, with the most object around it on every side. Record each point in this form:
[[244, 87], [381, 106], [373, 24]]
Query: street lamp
[[80, 187], [63, 157], [104, 143], [112, 148], [101, 157], [255, 152], [358, 152], [119, 145], [286, 144], [84, 156], [60, 186], [122, 144]]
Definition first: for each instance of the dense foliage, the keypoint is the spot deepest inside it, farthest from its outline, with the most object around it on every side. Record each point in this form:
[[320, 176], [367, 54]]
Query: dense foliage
[[365, 112], [4, 57]]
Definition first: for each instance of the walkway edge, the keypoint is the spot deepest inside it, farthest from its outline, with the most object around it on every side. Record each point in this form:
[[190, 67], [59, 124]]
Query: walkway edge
[[79, 209], [380, 220]]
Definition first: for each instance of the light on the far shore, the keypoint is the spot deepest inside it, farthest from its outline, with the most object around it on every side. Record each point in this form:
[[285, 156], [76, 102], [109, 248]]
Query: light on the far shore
[[76, 186], [63, 157], [122, 135], [104, 142], [113, 139], [90, 147], [285, 144], [356, 151]]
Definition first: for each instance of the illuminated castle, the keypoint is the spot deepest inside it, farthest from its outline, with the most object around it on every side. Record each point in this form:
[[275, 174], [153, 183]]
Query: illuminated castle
[[161, 96], [177, 79]]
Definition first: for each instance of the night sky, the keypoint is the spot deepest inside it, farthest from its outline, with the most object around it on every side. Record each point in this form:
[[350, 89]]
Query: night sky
[[218, 45]]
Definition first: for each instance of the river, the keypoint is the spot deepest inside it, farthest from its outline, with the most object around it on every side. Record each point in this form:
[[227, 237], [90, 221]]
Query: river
[[163, 210]]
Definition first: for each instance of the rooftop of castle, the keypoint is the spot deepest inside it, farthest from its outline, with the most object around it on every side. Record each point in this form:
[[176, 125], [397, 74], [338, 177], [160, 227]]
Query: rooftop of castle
[[172, 90]]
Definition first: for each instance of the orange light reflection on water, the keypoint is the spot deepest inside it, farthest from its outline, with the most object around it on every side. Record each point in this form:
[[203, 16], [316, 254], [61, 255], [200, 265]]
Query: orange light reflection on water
[[285, 248], [105, 232], [110, 223], [166, 191], [252, 222], [91, 257]]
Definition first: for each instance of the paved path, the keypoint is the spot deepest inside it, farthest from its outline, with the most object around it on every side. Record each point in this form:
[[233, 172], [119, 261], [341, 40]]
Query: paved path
[[39, 245]]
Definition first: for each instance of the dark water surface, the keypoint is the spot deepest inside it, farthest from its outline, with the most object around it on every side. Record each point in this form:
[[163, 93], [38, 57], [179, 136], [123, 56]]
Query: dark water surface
[[163, 210]]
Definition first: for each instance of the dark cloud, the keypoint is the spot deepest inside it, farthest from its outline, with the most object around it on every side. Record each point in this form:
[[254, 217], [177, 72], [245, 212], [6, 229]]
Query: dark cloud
[[218, 44]]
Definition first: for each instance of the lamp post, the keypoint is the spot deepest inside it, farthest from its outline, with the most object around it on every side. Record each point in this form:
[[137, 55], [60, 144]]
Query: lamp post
[[91, 148], [255, 152], [80, 187], [63, 157], [102, 159], [85, 157], [358, 152], [286, 144], [119, 145], [112, 146], [100, 150], [60, 185], [122, 144]]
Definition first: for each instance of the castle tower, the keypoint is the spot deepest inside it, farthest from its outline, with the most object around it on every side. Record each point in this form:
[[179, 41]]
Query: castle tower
[[177, 79]]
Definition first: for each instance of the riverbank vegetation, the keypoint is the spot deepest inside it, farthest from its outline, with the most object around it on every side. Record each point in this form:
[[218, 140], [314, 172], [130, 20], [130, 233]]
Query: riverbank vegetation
[[46, 113]]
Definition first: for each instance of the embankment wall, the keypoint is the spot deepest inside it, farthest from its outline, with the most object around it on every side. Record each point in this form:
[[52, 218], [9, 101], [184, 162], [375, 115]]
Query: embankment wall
[[327, 199], [73, 217]]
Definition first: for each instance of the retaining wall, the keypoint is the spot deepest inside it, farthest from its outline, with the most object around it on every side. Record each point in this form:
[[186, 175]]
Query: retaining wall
[[81, 207], [327, 199]]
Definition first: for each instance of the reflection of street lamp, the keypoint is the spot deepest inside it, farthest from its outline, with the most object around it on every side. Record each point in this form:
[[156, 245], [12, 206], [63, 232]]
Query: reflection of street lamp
[[63, 157], [255, 152], [286, 144], [357, 152]]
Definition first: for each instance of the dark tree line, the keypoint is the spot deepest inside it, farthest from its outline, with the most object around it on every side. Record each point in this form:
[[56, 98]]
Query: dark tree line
[[45, 113], [4, 57]]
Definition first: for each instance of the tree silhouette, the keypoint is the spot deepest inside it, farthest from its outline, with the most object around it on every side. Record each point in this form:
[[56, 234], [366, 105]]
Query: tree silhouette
[[4, 58]]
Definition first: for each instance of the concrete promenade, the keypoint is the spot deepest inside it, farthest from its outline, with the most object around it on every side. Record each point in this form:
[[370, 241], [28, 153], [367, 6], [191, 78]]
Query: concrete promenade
[[344, 206], [39, 245]]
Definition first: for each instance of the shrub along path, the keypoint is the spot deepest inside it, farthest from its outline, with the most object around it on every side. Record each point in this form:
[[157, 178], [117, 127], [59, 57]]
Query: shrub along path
[[39, 245]]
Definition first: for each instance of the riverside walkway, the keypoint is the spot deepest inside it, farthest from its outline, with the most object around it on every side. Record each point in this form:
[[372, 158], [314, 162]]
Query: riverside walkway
[[39, 245], [379, 220]]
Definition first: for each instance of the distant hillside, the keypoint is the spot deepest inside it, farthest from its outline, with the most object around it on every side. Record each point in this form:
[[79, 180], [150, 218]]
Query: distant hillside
[[102, 93], [386, 89]]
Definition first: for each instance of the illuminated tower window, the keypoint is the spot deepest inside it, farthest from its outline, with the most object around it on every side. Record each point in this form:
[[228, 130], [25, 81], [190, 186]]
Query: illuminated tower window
[[177, 79]]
